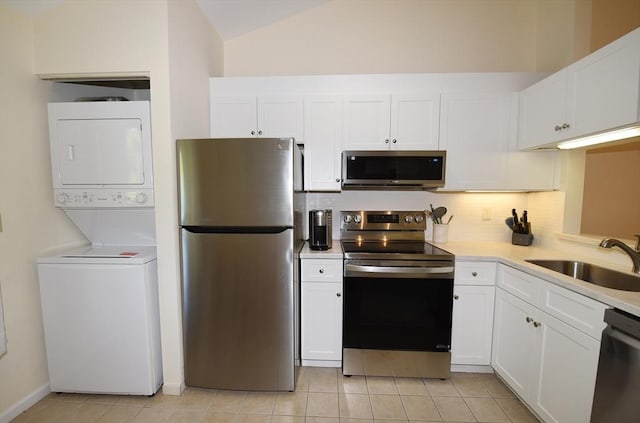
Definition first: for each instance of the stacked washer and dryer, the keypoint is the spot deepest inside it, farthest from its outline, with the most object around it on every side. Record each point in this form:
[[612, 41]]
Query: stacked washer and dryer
[[100, 301]]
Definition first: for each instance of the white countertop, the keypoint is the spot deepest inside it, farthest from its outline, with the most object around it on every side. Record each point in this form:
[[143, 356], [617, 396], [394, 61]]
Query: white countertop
[[335, 252], [515, 256]]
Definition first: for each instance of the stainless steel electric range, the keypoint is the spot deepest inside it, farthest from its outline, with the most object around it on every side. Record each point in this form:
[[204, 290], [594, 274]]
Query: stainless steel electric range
[[397, 297]]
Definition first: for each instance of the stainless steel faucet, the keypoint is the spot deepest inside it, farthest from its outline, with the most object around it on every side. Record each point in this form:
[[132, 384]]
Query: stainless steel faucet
[[633, 254]]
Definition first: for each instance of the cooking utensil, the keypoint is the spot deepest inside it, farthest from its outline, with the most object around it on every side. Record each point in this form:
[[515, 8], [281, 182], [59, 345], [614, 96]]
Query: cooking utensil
[[509, 222], [438, 213], [450, 217]]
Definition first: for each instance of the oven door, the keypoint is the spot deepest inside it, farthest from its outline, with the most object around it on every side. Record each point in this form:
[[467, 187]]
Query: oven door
[[398, 305]]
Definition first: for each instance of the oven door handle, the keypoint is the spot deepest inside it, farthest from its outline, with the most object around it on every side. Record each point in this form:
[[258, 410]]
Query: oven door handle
[[356, 270]]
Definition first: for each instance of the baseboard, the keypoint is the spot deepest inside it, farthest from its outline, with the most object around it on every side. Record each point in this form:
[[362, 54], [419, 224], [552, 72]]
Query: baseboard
[[465, 368], [171, 389], [321, 363], [25, 403]]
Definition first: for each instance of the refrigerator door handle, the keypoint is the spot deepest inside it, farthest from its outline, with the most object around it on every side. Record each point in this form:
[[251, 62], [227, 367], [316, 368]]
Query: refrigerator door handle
[[236, 230]]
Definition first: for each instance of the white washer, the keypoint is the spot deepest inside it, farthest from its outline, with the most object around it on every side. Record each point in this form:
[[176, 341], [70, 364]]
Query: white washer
[[100, 313]]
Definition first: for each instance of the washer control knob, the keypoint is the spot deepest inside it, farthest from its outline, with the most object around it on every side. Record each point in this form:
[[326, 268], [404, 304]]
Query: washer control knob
[[408, 218], [141, 198], [419, 218], [62, 198], [357, 218]]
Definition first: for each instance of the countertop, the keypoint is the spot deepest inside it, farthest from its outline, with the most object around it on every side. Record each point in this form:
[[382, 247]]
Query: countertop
[[335, 252], [515, 256]]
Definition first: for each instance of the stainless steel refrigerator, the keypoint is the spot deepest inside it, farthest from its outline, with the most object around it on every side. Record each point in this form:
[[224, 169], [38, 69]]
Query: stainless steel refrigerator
[[241, 215]]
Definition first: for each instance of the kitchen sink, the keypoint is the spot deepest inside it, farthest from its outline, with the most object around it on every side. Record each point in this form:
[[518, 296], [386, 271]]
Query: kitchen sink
[[593, 274]]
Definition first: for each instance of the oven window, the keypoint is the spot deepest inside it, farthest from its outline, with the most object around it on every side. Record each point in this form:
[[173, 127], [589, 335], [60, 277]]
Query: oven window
[[397, 314]]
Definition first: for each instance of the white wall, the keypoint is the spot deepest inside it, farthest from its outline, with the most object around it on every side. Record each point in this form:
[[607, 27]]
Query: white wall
[[195, 54], [30, 222], [404, 36], [132, 38]]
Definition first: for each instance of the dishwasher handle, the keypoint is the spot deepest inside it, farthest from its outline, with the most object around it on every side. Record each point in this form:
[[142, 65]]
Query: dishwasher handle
[[434, 272]]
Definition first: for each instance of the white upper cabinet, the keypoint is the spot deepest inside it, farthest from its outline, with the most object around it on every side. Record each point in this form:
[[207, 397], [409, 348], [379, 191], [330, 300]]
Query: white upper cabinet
[[366, 123], [262, 116], [398, 122], [595, 94], [323, 143], [415, 121], [474, 131], [543, 111]]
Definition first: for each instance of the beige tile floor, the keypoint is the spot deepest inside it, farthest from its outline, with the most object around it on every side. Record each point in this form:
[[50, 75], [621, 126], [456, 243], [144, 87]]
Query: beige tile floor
[[322, 396]]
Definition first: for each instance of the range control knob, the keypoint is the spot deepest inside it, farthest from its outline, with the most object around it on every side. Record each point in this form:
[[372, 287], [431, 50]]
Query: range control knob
[[357, 218], [348, 218], [419, 218], [62, 198], [141, 198], [408, 218]]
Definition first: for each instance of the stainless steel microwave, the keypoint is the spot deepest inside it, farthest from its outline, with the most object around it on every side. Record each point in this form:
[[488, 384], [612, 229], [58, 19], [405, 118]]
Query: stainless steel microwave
[[400, 170]]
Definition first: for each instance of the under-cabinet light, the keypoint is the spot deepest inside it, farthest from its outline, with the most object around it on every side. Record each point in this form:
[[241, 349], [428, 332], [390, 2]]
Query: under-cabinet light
[[615, 135]]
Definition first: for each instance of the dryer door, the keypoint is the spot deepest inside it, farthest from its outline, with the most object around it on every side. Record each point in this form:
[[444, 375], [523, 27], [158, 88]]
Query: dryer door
[[99, 151]]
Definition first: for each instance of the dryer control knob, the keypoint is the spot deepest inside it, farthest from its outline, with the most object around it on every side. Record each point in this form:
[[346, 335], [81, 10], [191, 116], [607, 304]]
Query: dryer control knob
[[141, 198], [62, 198]]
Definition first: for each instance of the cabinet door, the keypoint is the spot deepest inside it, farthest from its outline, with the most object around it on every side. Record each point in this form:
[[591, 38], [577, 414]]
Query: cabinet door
[[603, 87], [565, 371], [472, 328], [323, 143], [475, 130], [366, 122], [415, 122], [532, 170], [280, 117], [233, 117], [513, 342], [543, 112], [321, 325]]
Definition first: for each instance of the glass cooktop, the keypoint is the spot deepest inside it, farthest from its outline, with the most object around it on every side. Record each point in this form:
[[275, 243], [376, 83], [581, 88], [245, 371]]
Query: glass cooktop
[[416, 250]]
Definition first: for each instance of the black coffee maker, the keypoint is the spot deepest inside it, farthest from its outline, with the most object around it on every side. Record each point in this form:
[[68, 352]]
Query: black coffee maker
[[320, 229]]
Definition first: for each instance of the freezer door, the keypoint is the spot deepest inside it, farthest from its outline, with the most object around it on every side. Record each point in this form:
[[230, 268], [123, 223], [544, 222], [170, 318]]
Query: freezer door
[[236, 182], [238, 310]]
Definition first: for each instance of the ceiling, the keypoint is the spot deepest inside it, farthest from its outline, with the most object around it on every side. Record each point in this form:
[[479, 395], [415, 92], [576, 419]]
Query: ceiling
[[230, 18]]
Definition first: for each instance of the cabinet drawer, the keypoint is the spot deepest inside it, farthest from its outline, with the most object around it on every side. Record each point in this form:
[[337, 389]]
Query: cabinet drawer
[[321, 270], [475, 273], [518, 283], [583, 313]]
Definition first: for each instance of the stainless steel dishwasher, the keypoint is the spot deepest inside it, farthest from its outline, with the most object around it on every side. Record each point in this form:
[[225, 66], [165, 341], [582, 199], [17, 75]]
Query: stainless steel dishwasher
[[617, 393]]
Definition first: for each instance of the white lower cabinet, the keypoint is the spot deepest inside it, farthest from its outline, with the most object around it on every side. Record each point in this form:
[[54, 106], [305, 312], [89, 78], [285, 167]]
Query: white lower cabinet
[[549, 363], [321, 312], [472, 326]]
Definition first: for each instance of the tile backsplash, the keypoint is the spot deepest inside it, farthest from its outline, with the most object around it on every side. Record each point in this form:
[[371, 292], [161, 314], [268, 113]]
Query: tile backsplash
[[477, 216]]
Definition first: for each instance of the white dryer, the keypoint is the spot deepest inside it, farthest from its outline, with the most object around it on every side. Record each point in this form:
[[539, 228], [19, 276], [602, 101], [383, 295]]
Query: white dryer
[[100, 301]]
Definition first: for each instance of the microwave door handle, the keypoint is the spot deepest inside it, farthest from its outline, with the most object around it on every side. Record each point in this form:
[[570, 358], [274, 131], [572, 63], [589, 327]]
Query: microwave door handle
[[357, 270]]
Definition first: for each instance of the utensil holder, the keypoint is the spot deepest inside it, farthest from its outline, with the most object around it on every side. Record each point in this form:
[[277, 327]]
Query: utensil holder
[[440, 233], [521, 239]]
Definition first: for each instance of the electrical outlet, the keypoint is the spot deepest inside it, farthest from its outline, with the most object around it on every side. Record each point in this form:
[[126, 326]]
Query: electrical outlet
[[486, 214]]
